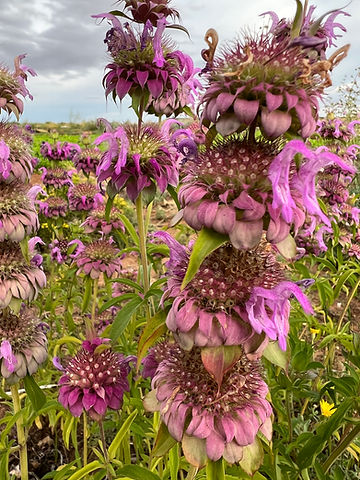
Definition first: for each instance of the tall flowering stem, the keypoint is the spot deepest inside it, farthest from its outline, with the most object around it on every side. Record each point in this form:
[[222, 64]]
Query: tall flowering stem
[[21, 436], [93, 306], [142, 241], [215, 470]]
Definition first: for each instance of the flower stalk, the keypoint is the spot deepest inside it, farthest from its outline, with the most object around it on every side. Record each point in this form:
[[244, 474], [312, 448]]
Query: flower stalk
[[86, 434], [215, 470], [142, 241], [21, 436], [341, 447]]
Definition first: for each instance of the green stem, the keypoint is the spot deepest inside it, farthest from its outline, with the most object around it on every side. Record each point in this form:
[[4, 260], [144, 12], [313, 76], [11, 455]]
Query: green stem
[[104, 448], [21, 437], [215, 470], [142, 241], [90, 323], [85, 446], [289, 416], [341, 447]]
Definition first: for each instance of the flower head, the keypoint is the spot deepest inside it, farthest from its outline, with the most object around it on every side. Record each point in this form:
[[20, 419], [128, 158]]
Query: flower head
[[12, 85], [216, 306], [272, 80], [96, 221], [19, 280], [23, 344], [53, 207], [94, 380], [100, 256], [84, 196], [15, 155], [56, 177], [142, 63], [63, 250], [143, 11], [137, 163], [87, 160], [59, 151], [326, 408], [18, 216], [219, 419]]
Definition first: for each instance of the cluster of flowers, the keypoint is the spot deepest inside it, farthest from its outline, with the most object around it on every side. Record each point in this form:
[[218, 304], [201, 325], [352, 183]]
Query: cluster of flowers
[[23, 343], [256, 191], [60, 151]]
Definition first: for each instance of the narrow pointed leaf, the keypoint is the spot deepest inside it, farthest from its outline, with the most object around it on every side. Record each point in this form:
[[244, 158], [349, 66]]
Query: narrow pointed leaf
[[34, 392], [125, 427]]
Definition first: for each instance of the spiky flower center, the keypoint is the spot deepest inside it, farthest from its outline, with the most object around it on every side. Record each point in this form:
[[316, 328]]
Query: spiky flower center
[[88, 153], [13, 196], [57, 173], [63, 246], [228, 276], [101, 250], [93, 370], [20, 330], [147, 144], [187, 375], [233, 164], [56, 202], [87, 190], [17, 145], [12, 260]]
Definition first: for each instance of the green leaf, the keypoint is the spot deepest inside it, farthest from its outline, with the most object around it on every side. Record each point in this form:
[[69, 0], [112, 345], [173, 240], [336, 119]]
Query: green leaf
[[137, 473], [129, 283], [174, 195], [87, 294], [163, 442], [287, 247], [153, 330], [130, 228], [90, 467], [276, 356], [108, 208], [115, 444], [219, 360], [174, 462], [206, 242], [298, 20], [123, 317], [342, 279], [175, 26], [253, 456], [35, 394]]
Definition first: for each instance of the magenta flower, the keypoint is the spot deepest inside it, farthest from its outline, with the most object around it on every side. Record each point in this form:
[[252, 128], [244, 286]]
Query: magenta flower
[[19, 280], [104, 319], [303, 182], [137, 163], [142, 63], [200, 413], [62, 250], [23, 344], [213, 309], [53, 207], [143, 11], [59, 151], [87, 160], [18, 216], [15, 155], [118, 288], [94, 381], [56, 177], [336, 129], [354, 251], [12, 85], [100, 256], [96, 221], [84, 196]]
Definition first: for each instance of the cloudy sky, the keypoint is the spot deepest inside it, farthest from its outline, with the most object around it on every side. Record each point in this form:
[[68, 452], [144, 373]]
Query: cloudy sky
[[65, 46]]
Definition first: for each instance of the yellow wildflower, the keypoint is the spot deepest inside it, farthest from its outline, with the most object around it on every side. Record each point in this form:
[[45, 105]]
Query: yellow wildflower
[[66, 225], [314, 330], [44, 225], [327, 409]]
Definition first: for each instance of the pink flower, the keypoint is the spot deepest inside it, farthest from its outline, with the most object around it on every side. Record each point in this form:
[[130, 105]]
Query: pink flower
[[137, 163], [60, 250], [87, 160], [15, 154], [84, 196], [56, 177], [23, 344], [94, 381], [200, 413], [100, 256], [96, 221], [18, 216], [53, 207], [59, 151], [19, 280], [214, 307]]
